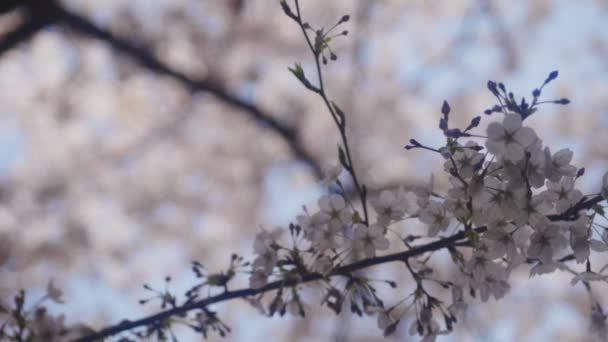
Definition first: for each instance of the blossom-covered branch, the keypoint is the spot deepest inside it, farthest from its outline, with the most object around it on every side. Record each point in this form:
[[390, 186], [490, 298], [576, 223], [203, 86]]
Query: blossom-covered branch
[[345, 271], [510, 202]]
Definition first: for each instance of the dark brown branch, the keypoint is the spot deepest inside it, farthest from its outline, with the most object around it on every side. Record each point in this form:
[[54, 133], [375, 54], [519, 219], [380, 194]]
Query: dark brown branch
[[38, 14], [247, 292], [9, 5], [20, 34]]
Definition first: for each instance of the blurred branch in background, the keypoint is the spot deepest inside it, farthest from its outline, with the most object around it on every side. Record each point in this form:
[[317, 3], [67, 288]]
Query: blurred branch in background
[[40, 14]]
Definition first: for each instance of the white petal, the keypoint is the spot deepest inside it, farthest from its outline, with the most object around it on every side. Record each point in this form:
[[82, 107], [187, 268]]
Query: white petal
[[495, 131], [598, 246], [563, 157], [525, 136], [381, 243], [512, 122]]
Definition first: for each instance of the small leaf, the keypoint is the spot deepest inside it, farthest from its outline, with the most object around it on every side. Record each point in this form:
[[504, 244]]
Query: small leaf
[[298, 72]]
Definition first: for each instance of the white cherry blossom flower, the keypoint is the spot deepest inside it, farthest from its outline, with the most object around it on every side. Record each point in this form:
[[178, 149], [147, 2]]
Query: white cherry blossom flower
[[581, 240], [534, 166], [480, 264], [389, 207], [264, 247], [334, 211], [533, 211], [310, 223], [509, 139], [457, 201], [458, 304], [408, 201], [563, 194], [265, 262], [493, 285], [332, 172], [558, 165], [511, 203], [424, 192], [369, 239], [500, 240], [546, 242], [487, 206], [465, 160], [435, 216], [486, 276], [265, 240], [326, 237]]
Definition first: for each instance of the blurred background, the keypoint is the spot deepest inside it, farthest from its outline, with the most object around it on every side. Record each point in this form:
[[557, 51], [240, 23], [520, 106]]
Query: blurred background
[[137, 136]]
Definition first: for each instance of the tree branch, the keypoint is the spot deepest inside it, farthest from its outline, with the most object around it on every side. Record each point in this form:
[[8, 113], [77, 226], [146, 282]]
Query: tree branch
[[247, 292], [38, 15], [583, 204]]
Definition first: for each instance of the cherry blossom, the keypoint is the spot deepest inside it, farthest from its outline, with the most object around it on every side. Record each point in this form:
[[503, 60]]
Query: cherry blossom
[[558, 165], [509, 139], [332, 172], [545, 242], [368, 240], [435, 216], [563, 193], [389, 207]]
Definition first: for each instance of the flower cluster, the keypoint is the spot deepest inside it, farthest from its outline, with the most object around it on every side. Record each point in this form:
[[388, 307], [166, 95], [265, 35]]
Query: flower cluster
[[515, 202]]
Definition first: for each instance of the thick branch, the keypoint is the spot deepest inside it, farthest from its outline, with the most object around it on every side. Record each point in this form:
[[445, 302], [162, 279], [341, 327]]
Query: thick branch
[[38, 15]]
